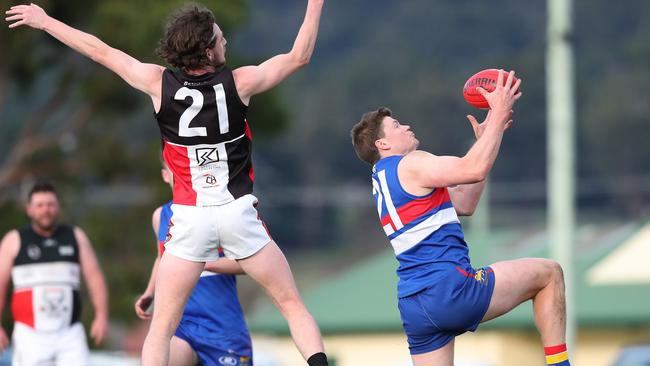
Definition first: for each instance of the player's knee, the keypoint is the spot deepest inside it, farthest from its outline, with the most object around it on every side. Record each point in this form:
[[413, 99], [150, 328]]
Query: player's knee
[[287, 301], [289, 298], [556, 272]]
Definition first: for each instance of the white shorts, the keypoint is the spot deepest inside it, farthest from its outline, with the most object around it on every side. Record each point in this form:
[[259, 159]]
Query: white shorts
[[65, 347], [196, 232]]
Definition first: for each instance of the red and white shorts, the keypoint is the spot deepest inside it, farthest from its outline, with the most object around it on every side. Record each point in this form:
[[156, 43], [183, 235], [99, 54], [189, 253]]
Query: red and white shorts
[[65, 347], [196, 232]]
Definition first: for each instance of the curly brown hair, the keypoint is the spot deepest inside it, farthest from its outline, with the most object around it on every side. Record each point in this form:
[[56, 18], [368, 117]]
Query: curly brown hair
[[366, 132], [189, 32]]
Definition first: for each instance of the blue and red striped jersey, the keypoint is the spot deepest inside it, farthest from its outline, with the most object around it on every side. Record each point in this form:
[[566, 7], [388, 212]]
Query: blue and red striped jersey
[[424, 231]]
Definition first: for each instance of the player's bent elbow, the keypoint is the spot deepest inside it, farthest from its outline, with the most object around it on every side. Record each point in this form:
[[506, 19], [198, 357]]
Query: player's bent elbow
[[472, 172], [300, 59], [482, 173], [301, 62], [476, 175]]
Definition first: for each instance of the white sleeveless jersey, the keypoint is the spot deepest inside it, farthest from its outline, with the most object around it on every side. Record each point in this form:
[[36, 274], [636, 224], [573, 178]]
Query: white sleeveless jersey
[[46, 279]]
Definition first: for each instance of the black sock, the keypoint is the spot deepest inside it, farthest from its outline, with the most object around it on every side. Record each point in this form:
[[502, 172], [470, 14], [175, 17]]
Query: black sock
[[318, 359]]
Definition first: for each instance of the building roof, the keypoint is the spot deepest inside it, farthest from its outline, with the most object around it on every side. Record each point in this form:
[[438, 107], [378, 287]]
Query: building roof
[[364, 298]]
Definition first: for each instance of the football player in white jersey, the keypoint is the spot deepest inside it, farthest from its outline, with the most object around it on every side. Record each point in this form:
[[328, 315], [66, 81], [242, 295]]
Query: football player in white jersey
[[45, 261]]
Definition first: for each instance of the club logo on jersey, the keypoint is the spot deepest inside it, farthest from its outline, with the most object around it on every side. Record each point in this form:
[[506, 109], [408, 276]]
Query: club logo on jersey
[[207, 155], [210, 179], [53, 305], [66, 250], [33, 252], [227, 360]]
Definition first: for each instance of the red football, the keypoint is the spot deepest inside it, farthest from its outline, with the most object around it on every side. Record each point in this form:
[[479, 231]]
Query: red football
[[486, 79]]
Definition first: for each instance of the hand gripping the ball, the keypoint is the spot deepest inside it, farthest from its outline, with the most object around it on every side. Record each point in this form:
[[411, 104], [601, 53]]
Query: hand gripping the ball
[[504, 96]]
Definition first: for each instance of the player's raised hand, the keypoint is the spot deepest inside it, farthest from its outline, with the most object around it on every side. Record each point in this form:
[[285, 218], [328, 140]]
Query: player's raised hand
[[480, 127], [504, 96], [30, 15]]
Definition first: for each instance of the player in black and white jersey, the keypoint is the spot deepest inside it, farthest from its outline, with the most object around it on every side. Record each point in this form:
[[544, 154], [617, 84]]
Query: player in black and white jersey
[[201, 111], [45, 261]]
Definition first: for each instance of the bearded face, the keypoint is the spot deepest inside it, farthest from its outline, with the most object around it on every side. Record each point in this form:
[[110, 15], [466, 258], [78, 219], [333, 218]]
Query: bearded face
[[43, 210]]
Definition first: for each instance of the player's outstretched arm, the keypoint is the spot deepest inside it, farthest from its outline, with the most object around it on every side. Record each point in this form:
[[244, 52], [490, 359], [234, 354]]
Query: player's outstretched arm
[[252, 80], [466, 197], [445, 171], [142, 76]]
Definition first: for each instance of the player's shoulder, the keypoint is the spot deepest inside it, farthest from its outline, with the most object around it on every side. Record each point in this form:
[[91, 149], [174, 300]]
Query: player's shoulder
[[10, 244], [415, 157], [412, 164], [11, 236], [244, 75], [79, 234], [157, 70], [419, 153]]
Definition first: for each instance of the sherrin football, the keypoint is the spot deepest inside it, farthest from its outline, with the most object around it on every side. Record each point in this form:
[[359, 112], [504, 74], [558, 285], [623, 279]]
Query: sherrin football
[[487, 79]]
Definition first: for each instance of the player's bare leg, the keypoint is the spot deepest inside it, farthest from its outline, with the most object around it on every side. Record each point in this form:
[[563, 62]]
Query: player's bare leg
[[181, 353], [441, 357], [174, 283], [270, 269], [538, 279]]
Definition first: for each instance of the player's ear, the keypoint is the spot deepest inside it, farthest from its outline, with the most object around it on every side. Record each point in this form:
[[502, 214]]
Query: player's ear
[[381, 144]]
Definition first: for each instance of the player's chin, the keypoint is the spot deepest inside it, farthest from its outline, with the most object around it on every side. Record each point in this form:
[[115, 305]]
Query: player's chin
[[46, 224]]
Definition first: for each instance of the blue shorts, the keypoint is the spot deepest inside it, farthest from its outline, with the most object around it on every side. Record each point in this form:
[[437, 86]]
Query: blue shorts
[[450, 307], [209, 351]]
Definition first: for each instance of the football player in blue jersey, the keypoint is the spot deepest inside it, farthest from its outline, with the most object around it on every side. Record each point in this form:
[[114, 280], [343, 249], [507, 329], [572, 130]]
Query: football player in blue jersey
[[212, 330], [419, 197]]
